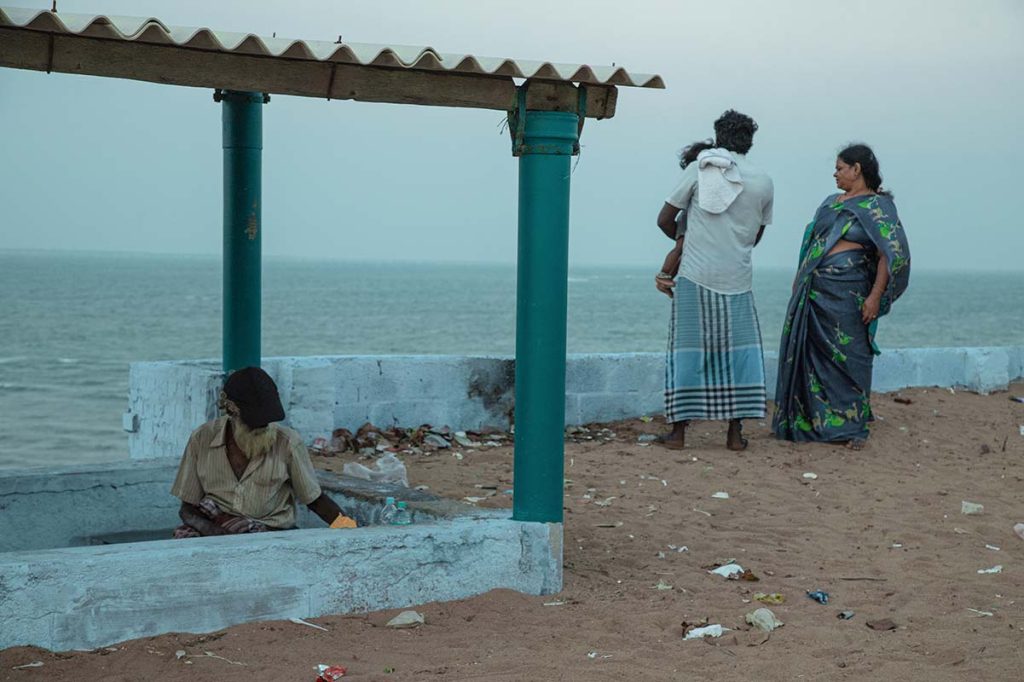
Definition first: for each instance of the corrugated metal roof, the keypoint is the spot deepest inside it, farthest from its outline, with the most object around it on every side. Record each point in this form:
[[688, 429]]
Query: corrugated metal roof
[[155, 32]]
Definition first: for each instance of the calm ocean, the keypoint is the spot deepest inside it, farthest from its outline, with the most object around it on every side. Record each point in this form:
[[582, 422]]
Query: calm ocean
[[70, 323]]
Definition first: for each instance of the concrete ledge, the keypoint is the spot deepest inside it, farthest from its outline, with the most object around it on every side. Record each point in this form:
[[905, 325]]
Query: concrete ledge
[[87, 597], [61, 588], [169, 399]]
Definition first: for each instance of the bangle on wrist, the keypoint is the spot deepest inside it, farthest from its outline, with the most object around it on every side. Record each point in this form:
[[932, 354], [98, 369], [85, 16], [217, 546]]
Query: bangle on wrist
[[663, 275]]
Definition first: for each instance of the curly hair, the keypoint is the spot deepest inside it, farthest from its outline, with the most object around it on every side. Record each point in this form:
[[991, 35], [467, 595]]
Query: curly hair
[[869, 168], [735, 131], [690, 152]]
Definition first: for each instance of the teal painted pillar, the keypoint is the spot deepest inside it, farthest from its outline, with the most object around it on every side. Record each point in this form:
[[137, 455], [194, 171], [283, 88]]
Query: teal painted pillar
[[242, 117], [545, 142]]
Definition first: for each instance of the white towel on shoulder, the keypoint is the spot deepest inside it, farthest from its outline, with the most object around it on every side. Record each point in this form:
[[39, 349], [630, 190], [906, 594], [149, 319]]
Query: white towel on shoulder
[[718, 180]]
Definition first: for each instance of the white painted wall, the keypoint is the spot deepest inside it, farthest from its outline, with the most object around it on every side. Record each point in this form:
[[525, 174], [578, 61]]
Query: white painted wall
[[167, 400]]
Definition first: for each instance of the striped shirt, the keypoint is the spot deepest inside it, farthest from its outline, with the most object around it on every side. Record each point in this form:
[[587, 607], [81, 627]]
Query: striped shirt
[[269, 486]]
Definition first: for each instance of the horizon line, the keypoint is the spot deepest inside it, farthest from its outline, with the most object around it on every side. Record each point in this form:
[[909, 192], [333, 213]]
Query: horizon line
[[411, 261]]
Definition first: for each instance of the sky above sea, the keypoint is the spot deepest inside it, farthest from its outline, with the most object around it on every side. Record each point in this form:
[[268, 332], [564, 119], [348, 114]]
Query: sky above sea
[[934, 85]]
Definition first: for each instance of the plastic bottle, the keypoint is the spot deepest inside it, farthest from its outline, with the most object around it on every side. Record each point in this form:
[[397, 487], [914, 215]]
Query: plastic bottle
[[388, 513], [403, 517]]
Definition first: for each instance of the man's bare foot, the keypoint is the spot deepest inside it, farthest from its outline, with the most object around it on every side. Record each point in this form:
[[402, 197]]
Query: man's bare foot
[[735, 440], [675, 439]]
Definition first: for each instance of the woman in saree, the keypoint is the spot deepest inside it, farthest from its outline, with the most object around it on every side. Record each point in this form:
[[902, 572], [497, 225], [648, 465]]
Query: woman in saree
[[854, 263]]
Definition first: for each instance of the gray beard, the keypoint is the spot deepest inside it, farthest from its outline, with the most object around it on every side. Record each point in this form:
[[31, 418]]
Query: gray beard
[[253, 442]]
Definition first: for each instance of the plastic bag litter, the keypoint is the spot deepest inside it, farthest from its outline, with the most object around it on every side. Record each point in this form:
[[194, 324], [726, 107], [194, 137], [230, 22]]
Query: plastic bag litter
[[971, 507], [727, 570], [387, 469], [715, 630], [406, 619], [1019, 530], [995, 569], [764, 620]]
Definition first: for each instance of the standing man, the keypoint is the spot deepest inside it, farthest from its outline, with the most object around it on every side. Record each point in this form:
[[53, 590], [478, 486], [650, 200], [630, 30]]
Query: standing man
[[242, 473], [714, 368]]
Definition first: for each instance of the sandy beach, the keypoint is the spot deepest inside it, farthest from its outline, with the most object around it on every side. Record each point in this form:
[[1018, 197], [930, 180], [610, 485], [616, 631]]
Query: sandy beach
[[880, 530]]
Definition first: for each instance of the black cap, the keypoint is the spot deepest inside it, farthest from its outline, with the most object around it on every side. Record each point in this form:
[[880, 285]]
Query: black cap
[[255, 394]]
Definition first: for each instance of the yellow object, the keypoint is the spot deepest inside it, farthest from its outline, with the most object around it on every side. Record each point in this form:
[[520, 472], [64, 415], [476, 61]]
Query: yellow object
[[343, 522], [773, 598]]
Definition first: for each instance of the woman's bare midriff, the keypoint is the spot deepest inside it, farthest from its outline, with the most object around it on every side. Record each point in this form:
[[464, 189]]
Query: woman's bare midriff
[[843, 245]]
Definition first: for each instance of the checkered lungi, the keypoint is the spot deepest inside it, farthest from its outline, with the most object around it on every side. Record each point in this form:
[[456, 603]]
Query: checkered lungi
[[714, 368]]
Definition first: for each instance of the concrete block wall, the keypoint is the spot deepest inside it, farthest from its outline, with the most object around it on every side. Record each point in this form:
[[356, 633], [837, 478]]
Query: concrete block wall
[[88, 597], [169, 399]]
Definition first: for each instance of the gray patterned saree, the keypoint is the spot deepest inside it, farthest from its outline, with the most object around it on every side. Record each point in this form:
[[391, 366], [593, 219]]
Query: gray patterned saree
[[825, 356]]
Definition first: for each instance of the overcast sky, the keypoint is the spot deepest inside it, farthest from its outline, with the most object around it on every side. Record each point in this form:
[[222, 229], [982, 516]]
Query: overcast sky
[[936, 86]]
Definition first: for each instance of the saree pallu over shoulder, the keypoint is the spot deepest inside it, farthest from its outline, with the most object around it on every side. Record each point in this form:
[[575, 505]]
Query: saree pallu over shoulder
[[826, 351]]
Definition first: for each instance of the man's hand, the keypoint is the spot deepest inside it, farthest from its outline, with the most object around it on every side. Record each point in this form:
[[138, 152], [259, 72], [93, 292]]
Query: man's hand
[[237, 524], [665, 286]]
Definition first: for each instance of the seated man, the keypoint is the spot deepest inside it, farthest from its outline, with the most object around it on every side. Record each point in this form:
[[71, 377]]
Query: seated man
[[241, 473]]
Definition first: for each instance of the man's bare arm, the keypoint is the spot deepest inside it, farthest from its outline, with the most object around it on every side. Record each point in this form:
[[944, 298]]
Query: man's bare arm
[[667, 220], [326, 508]]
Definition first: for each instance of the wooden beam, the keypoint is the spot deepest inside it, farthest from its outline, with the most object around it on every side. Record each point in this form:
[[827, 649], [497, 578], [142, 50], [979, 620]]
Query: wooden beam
[[172, 65]]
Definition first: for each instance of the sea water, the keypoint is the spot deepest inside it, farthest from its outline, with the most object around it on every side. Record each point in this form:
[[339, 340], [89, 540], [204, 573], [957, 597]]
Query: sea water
[[70, 323]]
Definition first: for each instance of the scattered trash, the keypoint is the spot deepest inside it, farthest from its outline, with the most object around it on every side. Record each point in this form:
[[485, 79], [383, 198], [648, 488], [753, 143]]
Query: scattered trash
[[701, 511], [998, 568], [981, 614], [721, 496], [747, 575], [299, 621], [971, 507], [764, 620], [882, 624], [605, 502], [1022, 429], [662, 585], [33, 664], [434, 440], [992, 547], [330, 673], [715, 630], [593, 654], [388, 469], [727, 570], [819, 596], [319, 445], [646, 438], [903, 401], [1017, 399], [896, 545], [844, 615], [608, 525], [1019, 530], [343, 522], [406, 619], [554, 603], [465, 441], [682, 548], [647, 420], [210, 654], [773, 598], [811, 476], [179, 654]]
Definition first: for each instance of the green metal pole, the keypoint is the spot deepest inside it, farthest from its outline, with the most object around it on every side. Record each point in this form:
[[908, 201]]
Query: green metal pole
[[548, 140], [242, 116]]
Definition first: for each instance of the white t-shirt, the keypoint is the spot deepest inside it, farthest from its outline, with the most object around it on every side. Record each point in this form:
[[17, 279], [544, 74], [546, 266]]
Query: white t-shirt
[[716, 252]]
